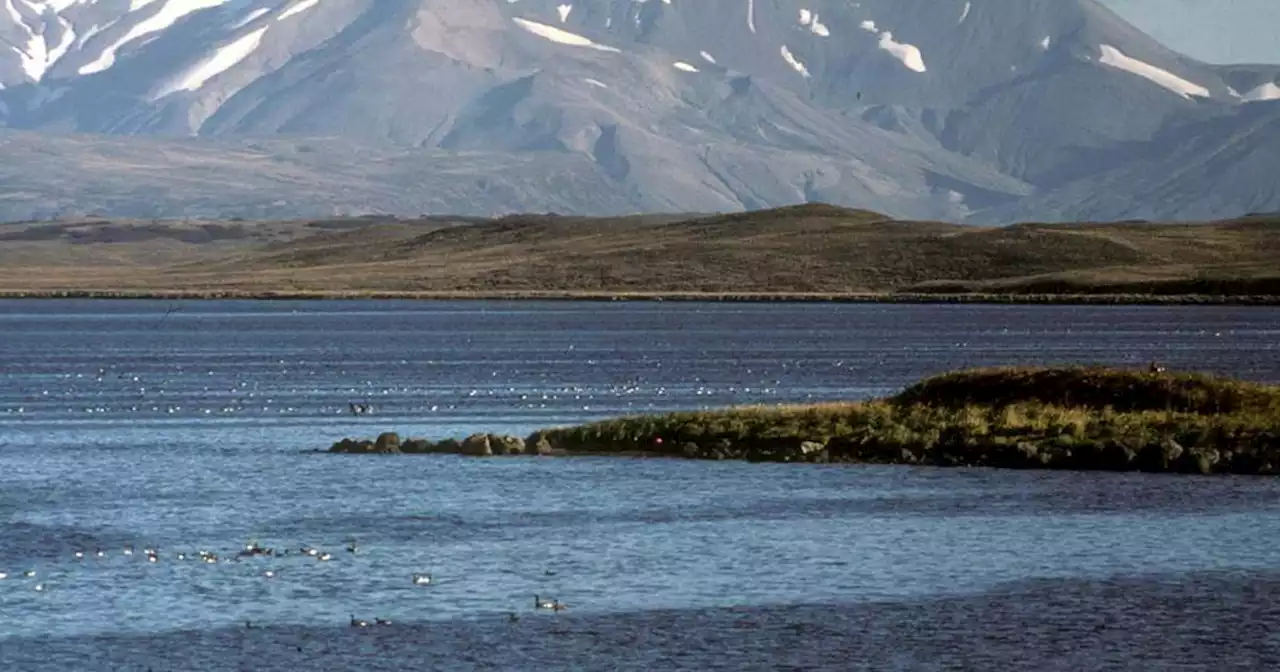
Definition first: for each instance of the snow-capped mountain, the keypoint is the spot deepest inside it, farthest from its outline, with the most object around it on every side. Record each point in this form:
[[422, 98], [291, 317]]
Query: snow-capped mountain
[[920, 108]]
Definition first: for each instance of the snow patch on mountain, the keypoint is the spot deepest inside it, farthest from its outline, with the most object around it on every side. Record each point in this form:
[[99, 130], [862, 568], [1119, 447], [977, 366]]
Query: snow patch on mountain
[[1268, 91], [794, 62], [681, 65], [909, 54], [250, 17], [815, 25], [1117, 59], [223, 59], [170, 13], [560, 36], [39, 55], [297, 8]]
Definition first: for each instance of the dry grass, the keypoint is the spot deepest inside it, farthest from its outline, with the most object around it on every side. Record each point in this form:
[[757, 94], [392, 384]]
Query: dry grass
[[1041, 418], [818, 251]]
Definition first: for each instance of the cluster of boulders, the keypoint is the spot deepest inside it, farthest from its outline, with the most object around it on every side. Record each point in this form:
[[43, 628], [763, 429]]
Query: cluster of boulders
[[1164, 455], [758, 450], [951, 449], [476, 445]]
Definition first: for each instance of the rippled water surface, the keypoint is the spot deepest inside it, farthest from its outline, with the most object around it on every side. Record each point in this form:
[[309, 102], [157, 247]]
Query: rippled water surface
[[182, 426]]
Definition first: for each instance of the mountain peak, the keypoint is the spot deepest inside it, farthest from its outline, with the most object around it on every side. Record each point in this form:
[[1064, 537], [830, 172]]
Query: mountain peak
[[919, 108]]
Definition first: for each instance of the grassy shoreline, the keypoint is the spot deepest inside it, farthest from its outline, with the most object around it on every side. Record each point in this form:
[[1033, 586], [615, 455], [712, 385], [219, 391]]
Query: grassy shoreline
[[727, 297], [1090, 419]]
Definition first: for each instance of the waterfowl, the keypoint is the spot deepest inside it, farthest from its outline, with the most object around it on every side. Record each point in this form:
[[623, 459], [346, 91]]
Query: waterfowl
[[3, 576], [308, 550], [358, 623], [351, 548], [39, 587], [381, 621], [324, 557], [559, 606], [512, 616], [269, 574], [79, 555], [128, 550], [152, 558], [210, 559], [539, 603], [421, 579], [29, 573], [182, 556], [101, 553]]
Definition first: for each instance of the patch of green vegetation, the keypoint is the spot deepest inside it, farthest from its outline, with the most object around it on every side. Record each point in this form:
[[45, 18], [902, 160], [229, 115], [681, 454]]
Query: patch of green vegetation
[[1073, 418]]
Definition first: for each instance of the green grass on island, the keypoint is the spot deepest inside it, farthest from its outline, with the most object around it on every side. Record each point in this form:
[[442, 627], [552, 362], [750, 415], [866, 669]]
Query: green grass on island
[[1025, 418]]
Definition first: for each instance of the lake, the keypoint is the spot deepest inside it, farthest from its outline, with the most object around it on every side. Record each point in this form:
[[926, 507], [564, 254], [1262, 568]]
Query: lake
[[181, 426]]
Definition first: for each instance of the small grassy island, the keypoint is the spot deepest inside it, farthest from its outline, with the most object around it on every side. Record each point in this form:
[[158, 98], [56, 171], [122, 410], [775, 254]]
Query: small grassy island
[[1046, 418]]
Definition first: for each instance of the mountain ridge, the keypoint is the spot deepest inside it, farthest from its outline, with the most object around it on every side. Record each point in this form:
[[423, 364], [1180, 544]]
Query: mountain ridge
[[959, 110]]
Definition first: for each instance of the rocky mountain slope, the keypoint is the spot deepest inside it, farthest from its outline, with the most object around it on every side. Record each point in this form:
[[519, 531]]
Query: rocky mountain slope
[[964, 110]]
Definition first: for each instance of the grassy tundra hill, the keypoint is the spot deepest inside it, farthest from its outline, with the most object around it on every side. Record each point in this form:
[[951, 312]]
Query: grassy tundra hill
[[811, 250], [1057, 418]]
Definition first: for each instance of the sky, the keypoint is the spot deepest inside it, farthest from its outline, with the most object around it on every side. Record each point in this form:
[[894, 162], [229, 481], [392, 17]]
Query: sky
[[1216, 31]]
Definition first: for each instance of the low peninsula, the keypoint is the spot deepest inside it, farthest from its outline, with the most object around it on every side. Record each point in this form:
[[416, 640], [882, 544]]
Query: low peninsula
[[809, 252], [1080, 418]]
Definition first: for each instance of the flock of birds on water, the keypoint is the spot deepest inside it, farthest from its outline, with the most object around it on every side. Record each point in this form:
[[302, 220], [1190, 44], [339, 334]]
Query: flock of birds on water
[[172, 394], [255, 550]]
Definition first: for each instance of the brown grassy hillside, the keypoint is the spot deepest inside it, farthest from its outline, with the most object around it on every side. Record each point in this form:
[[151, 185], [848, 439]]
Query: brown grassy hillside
[[803, 249]]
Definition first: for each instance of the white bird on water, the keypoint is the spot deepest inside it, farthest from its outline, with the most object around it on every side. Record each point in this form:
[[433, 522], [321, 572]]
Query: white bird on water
[[421, 579]]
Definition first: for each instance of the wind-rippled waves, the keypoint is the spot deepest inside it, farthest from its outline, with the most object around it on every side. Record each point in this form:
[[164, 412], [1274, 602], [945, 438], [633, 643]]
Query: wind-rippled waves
[[183, 432]]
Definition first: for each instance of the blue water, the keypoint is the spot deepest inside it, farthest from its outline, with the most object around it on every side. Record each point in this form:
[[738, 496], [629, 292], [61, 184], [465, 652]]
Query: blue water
[[182, 426]]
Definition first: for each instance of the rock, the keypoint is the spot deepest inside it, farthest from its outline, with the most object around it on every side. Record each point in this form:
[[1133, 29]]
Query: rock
[[449, 447], [417, 446], [506, 445], [349, 446], [537, 445], [723, 450], [388, 442], [812, 451], [691, 450], [1160, 457], [477, 445]]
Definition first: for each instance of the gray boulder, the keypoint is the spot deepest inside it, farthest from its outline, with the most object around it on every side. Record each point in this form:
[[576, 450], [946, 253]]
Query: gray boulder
[[477, 445], [506, 445], [387, 442]]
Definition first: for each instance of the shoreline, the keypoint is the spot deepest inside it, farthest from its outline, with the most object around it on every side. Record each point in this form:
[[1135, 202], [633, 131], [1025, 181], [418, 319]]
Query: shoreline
[[1073, 419], [708, 297]]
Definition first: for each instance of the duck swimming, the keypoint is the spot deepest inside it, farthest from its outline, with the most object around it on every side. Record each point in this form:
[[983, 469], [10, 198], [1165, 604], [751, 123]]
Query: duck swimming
[[421, 579], [539, 603], [358, 623]]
